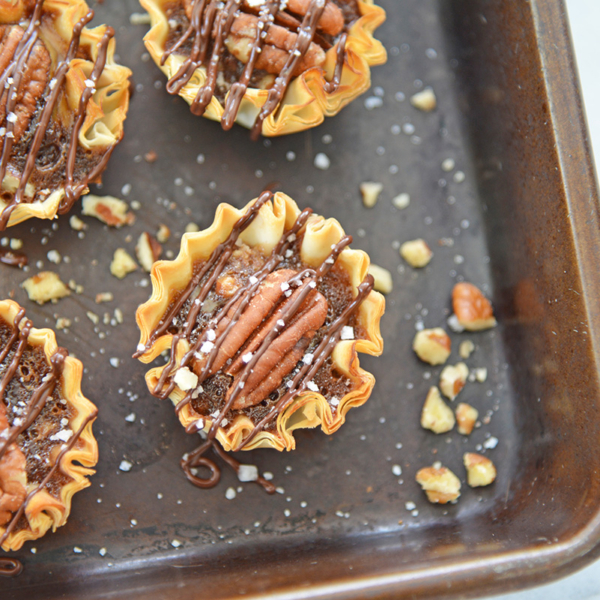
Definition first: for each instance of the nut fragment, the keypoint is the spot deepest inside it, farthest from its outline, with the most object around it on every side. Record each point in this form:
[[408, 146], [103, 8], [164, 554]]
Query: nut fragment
[[76, 223], [191, 228], [453, 379], [122, 263], [472, 309], [107, 209], [416, 253], [185, 379], [45, 286], [466, 416], [439, 483], [148, 251], [436, 414], [424, 100], [432, 346], [163, 234], [480, 469], [104, 297], [150, 157], [383, 279], [63, 323], [466, 348], [370, 191]]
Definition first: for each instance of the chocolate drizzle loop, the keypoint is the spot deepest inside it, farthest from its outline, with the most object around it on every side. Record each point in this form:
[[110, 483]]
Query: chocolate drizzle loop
[[305, 282], [10, 567], [10, 80], [211, 21]]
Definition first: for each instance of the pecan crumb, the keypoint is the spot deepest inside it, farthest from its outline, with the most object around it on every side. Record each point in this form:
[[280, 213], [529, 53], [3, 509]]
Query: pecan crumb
[[453, 379], [439, 483], [122, 264], [436, 415], [416, 253], [432, 346], [109, 210], [45, 286], [480, 469], [466, 417], [472, 309], [148, 251]]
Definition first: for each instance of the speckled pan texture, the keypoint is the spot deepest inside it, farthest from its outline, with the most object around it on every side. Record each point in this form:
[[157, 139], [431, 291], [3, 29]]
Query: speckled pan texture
[[513, 209]]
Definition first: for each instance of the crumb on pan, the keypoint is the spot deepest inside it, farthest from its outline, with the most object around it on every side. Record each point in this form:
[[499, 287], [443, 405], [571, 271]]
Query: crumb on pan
[[466, 348], [439, 483], [472, 309], [466, 417], [416, 253], [109, 210], [424, 100], [436, 415], [370, 191], [432, 346], [163, 234], [122, 264], [480, 469], [453, 379], [44, 287]]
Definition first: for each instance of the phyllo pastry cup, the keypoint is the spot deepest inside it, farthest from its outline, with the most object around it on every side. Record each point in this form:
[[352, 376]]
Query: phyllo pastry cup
[[63, 101], [46, 441], [245, 62], [264, 314]]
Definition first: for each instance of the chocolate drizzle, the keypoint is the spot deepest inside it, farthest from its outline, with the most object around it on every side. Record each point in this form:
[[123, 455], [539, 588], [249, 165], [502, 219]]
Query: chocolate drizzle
[[212, 23], [305, 283], [13, 258], [10, 567], [10, 79], [18, 342]]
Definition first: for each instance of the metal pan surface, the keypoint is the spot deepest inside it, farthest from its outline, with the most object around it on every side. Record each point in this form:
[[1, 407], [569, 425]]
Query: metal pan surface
[[516, 214]]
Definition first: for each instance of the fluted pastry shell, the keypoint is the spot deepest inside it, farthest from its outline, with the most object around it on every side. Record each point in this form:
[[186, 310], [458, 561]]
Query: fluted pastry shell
[[45, 511], [310, 409], [103, 124], [307, 101]]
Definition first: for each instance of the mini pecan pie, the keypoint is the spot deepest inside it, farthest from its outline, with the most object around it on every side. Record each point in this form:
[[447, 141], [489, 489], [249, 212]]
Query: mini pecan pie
[[63, 101], [275, 66], [46, 441], [264, 314]]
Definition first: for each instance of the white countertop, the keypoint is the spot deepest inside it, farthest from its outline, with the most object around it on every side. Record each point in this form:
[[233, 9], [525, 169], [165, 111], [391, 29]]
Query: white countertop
[[584, 16]]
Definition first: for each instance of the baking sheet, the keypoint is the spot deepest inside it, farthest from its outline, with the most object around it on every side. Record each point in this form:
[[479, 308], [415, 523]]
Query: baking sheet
[[342, 515]]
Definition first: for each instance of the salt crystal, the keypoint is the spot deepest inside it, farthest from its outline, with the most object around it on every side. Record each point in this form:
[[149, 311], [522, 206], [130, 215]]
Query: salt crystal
[[247, 473], [312, 386], [247, 357], [125, 466], [322, 161], [347, 333], [230, 493], [307, 359]]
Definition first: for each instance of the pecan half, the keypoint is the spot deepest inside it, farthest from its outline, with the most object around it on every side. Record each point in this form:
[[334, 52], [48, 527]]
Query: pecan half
[[12, 477], [264, 313], [33, 79]]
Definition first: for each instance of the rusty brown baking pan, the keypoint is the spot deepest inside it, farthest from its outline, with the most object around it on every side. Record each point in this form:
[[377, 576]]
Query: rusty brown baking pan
[[517, 215]]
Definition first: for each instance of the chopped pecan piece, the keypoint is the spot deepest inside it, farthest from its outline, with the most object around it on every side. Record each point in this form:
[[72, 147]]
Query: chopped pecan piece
[[432, 346], [466, 416], [439, 483], [436, 414], [453, 379], [472, 309], [480, 469]]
